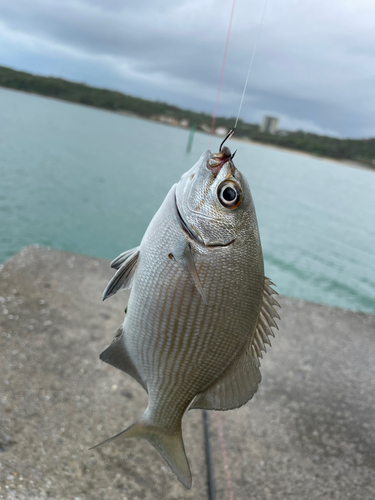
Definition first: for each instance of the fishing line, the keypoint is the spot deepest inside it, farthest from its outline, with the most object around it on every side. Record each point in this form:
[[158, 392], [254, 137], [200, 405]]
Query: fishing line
[[210, 475], [229, 135], [223, 452], [247, 76], [251, 62], [221, 75]]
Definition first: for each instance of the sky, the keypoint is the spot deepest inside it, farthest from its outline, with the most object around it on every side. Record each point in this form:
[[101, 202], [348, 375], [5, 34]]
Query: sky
[[314, 67]]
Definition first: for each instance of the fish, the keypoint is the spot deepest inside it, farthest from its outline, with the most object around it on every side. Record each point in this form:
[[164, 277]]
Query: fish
[[200, 310]]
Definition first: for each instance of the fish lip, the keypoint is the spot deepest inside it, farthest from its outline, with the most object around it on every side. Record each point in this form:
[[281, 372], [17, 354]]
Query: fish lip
[[192, 234], [213, 245]]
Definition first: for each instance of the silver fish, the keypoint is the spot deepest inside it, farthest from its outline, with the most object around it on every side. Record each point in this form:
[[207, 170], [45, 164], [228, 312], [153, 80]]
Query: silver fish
[[200, 309]]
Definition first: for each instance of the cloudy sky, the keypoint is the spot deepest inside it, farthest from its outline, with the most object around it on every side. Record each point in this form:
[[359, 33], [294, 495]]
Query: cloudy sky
[[314, 67]]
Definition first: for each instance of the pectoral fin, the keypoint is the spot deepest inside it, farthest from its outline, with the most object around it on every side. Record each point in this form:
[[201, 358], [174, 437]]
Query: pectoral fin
[[193, 271], [183, 254]]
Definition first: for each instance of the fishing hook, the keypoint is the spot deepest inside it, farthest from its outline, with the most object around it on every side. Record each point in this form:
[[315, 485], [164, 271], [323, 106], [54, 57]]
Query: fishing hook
[[228, 136]]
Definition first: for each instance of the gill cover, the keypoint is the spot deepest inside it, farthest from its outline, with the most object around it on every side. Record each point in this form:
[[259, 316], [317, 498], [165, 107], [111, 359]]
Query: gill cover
[[211, 198]]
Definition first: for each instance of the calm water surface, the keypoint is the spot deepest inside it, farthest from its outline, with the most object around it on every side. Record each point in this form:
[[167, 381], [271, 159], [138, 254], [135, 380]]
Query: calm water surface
[[89, 181]]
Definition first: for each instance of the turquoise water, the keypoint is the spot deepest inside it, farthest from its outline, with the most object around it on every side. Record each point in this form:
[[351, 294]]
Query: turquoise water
[[89, 181]]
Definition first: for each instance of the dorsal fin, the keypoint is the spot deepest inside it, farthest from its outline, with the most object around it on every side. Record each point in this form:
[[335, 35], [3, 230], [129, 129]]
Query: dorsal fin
[[238, 384], [265, 321], [123, 278], [234, 388]]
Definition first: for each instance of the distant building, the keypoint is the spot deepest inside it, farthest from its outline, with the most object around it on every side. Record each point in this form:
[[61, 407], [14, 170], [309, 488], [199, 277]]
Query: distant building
[[269, 124], [221, 131], [204, 127], [184, 122], [167, 119]]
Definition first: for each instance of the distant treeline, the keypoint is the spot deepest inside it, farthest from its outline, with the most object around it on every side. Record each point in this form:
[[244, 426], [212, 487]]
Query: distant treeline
[[361, 150]]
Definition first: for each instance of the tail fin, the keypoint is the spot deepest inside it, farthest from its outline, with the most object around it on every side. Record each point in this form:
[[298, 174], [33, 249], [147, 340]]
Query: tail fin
[[169, 444]]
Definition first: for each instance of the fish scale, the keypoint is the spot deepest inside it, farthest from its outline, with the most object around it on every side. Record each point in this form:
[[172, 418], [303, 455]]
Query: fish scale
[[200, 308], [163, 235]]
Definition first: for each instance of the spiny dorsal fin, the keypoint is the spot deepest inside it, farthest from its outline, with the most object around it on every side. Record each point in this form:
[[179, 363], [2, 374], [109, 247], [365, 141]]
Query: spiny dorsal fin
[[238, 384], [123, 278], [265, 320], [118, 261]]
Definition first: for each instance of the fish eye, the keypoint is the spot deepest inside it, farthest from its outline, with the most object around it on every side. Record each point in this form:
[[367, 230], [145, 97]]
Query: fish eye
[[229, 194]]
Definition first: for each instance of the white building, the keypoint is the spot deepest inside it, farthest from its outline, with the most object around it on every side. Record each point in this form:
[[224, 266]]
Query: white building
[[221, 131], [269, 124]]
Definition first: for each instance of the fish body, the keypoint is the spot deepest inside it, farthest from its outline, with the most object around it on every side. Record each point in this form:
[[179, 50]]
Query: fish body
[[196, 319]]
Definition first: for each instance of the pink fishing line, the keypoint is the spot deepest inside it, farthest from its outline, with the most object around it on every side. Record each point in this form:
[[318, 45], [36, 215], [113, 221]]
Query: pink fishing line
[[223, 452], [218, 421], [221, 75]]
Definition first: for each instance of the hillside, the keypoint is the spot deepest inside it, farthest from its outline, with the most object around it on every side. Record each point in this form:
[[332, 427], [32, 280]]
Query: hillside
[[359, 150]]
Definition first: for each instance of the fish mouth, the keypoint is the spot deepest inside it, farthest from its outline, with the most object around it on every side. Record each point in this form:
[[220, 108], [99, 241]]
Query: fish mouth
[[192, 234]]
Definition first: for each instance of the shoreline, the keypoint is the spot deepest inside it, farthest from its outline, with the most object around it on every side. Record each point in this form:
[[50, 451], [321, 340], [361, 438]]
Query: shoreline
[[347, 163]]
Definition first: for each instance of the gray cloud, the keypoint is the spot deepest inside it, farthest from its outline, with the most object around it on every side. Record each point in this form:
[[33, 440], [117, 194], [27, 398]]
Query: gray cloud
[[314, 67]]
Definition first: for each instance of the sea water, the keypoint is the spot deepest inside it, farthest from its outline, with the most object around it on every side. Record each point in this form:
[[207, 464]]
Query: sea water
[[89, 181]]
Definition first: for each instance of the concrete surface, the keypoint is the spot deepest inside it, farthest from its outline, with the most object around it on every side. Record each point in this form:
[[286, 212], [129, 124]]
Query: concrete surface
[[308, 433]]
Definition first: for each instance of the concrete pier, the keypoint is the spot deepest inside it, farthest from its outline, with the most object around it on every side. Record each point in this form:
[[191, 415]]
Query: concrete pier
[[309, 432]]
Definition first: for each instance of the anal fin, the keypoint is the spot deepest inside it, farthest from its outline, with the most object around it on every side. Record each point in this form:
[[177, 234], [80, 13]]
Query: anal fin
[[117, 355]]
